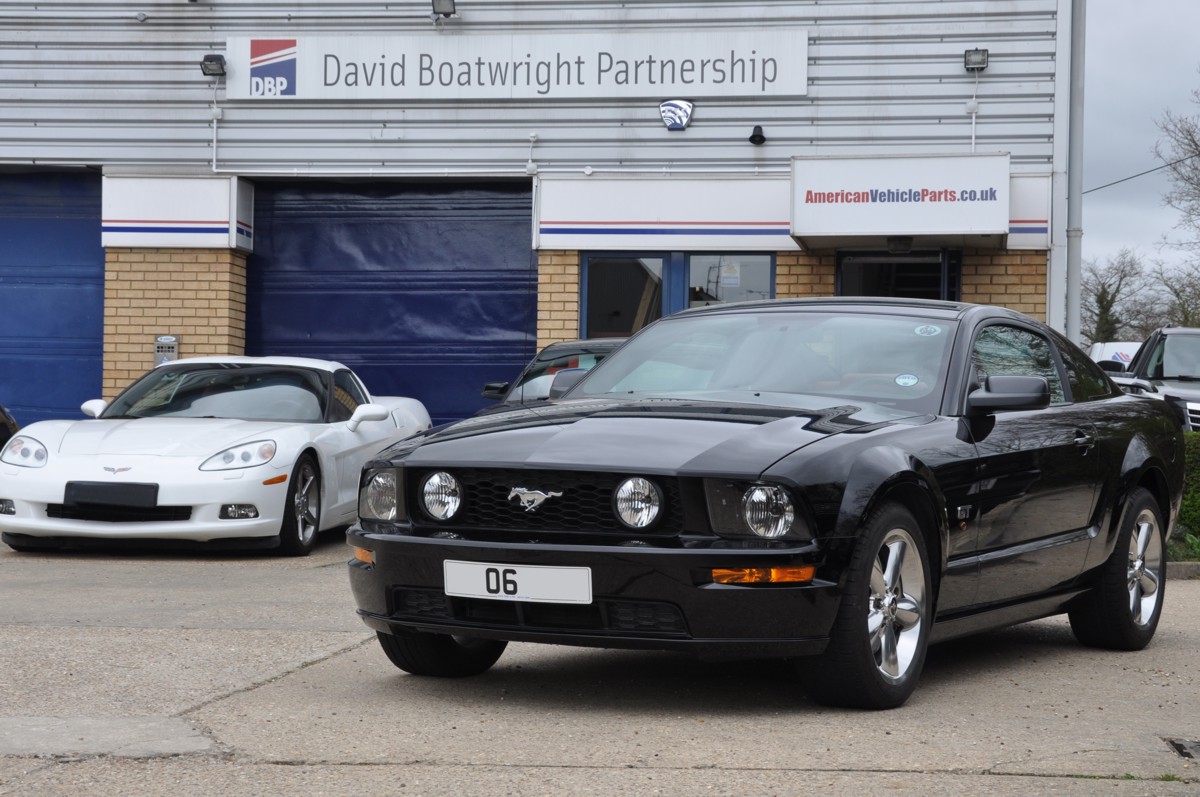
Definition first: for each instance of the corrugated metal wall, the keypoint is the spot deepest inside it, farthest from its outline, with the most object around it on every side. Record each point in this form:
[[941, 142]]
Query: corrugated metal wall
[[119, 84]]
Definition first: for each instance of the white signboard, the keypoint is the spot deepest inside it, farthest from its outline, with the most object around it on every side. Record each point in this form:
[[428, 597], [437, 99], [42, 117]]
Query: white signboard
[[180, 212], [923, 195], [657, 213], [457, 66]]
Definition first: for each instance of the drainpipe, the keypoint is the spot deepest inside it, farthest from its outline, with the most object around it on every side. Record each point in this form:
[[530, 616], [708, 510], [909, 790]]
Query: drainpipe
[[1075, 175]]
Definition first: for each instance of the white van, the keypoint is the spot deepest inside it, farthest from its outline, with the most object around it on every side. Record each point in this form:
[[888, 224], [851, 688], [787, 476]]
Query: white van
[[1121, 351]]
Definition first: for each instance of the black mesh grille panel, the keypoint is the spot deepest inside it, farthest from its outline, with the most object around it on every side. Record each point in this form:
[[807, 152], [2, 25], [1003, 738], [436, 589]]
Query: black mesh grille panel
[[119, 514]]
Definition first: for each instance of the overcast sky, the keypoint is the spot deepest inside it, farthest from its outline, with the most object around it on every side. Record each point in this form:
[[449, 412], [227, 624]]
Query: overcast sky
[[1142, 59]]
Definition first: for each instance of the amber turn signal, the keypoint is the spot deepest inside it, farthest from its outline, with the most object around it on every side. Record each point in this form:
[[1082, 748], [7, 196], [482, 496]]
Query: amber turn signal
[[364, 556], [276, 479], [764, 575]]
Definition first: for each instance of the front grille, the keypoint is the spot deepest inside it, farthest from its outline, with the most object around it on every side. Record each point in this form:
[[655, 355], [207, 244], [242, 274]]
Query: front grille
[[586, 503], [601, 616], [1194, 416], [119, 514]]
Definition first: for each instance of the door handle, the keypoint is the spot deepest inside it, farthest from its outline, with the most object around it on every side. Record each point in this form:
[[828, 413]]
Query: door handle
[[1084, 440]]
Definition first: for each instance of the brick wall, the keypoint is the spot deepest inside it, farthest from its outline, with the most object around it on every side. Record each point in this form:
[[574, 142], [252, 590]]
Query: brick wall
[[558, 296], [1016, 280], [801, 274], [198, 295]]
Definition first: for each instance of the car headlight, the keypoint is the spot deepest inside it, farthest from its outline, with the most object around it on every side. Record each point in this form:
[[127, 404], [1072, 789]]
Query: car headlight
[[756, 510], [637, 502], [247, 455], [26, 452], [441, 495], [768, 510], [379, 498]]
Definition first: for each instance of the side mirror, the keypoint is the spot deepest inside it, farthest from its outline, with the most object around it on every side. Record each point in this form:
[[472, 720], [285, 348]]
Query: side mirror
[[1009, 393], [1134, 385], [495, 391], [1112, 366], [566, 379], [93, 408], [367, 412]]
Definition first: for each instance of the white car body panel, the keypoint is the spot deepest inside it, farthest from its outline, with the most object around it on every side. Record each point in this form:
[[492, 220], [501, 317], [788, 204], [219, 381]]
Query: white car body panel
[[168, 452]]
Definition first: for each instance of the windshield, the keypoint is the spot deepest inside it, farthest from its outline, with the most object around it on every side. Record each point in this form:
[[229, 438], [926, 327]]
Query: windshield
[[768, 357], [246, 392], [1175, 357]]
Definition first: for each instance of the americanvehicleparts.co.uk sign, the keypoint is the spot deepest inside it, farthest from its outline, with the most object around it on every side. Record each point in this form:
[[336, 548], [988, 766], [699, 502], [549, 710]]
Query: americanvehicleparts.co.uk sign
[[692, 64]]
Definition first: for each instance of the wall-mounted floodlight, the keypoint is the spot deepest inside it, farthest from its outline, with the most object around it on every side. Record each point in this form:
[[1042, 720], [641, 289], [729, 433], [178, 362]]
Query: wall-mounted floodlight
[[213, 65], [444, 8], [975, 60]]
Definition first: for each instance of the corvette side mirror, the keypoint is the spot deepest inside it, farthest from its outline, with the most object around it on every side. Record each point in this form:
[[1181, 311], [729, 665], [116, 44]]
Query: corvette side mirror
[[367, 412]]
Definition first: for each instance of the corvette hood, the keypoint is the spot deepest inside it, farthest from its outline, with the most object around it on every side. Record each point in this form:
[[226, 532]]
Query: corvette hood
[[650, 436], [163, 437]]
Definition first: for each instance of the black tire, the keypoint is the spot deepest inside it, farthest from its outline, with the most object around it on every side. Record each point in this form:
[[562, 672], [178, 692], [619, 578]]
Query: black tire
[[1122, 611], [881, 633], [301, 510], [440, 655]]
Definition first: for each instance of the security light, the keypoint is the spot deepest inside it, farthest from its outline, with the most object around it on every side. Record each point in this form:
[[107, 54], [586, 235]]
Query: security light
[[213, 65], [975, 60]]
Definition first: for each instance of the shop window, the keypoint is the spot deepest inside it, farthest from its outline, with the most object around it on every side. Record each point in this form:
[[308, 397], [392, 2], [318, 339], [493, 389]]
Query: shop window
[[921, 275], [624, 292]]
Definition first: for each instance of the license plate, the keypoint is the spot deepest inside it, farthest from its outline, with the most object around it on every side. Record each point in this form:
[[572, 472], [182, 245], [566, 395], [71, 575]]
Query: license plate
[[533, 583]]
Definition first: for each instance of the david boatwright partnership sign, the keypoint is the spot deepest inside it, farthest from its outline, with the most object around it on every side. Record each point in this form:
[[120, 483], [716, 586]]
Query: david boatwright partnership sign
[[900, 195], [708, 63]]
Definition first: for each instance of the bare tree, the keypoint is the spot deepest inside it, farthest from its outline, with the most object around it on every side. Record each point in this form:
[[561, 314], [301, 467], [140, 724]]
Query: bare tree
[[1117, 298], [1179, 150], [1178, 291]]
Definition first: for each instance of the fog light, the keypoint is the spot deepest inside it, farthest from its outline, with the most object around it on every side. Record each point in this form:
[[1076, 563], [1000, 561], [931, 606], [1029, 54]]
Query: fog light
[[441, 495], [637, 502], [764, 575], [238, 511], [364, 556], [6, 507]]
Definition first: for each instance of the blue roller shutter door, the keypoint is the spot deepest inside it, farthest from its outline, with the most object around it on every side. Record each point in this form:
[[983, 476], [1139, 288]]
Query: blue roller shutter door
[[425, 290], [51, 294]]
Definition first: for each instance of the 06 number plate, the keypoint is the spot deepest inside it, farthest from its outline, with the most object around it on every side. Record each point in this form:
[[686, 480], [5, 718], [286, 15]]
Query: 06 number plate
[[534, 583]]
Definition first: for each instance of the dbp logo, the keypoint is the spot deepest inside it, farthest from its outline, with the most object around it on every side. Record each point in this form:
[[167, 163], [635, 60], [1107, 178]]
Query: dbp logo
[[272, 67]]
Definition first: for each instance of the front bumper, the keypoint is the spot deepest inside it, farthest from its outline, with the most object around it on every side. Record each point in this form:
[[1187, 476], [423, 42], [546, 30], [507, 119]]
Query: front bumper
[[643, 597]]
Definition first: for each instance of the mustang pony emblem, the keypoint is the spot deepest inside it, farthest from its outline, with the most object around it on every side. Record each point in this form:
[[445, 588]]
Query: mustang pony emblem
[[530, 499], [115, 470]]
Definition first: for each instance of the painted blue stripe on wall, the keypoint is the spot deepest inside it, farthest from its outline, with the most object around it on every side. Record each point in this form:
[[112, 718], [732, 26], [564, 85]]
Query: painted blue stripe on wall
[[204, 230], [1028, 230]]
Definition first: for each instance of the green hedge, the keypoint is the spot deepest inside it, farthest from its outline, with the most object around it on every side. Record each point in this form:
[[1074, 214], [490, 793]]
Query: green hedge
[[1189, 512]]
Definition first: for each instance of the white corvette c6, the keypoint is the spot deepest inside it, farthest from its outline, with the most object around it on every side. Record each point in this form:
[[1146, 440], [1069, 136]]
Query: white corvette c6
[[264, 450]]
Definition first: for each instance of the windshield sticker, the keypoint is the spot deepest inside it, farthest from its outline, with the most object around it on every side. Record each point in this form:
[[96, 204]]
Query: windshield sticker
[[907, 380], [928, 331]]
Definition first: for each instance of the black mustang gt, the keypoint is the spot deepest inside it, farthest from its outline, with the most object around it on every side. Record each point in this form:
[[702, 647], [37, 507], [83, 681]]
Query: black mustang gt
[[838, 481]]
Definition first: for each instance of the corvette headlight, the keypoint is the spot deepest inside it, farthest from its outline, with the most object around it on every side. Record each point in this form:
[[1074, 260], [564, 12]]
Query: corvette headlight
[[637, 502], [24, 451], [379, 498], [247, 455], [441, 495]]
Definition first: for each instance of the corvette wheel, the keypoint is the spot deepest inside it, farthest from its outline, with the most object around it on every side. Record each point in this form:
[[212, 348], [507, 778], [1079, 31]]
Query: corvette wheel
[[881, 633], [1122, 612], [440, 655], [302, 510]]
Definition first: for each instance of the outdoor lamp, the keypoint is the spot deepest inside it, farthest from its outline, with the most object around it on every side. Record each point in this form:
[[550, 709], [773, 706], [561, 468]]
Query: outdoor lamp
[[213, 65], [444, 8], [975, 60]]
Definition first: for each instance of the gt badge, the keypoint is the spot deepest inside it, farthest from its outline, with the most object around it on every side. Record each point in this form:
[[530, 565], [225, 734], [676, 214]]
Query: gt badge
[[530, 499]]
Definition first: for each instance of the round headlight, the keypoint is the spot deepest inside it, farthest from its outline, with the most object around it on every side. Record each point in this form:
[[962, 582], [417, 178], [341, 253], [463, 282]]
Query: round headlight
[[637, 502], [441, 495], [768, 510], [380, 499]]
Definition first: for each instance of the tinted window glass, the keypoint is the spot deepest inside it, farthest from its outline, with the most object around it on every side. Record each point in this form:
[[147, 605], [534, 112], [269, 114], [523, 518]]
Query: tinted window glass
[[1087, 381], [347, 395], [1011, 351]]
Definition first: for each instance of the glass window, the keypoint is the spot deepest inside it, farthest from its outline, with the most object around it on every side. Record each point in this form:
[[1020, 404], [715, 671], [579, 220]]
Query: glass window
[[624, 292], [347, 395], [1087, 381], [921, 275], [1001, 350]]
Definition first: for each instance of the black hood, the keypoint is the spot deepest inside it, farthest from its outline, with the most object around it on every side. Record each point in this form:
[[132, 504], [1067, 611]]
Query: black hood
[[650, 436]]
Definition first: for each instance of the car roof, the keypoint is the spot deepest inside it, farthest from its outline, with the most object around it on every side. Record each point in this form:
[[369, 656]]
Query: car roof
[[861, 304], [1181, 330], [292, 362], [585, 345]]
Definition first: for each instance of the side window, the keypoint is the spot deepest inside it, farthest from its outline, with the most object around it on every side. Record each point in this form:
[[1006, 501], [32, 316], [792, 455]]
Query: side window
[[1002, 350], [347, 395], [1087, 381]]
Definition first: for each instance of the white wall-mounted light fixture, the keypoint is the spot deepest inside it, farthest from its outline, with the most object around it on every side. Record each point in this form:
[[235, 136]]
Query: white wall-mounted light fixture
[[442, 11], [975, 60]]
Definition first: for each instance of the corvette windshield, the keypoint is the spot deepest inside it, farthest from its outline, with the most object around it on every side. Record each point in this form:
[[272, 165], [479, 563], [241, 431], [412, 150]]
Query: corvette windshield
[[765, 357], [253, 393]]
